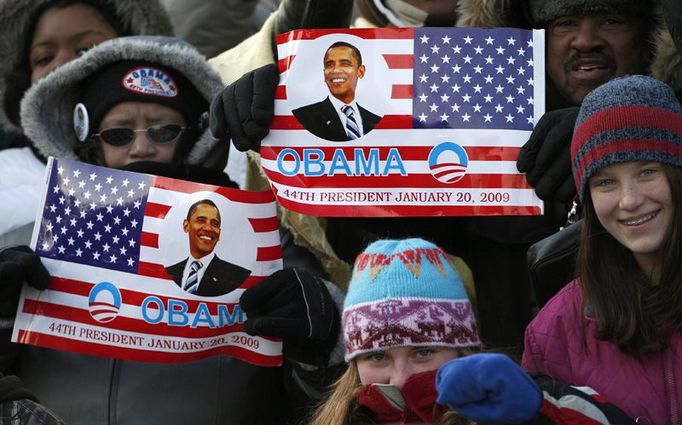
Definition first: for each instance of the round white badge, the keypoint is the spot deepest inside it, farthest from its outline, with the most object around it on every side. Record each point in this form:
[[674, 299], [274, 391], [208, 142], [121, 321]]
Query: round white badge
[[81, 122]]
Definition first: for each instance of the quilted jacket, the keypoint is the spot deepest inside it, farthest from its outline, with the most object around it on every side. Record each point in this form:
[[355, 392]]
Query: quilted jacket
[[647, 388]]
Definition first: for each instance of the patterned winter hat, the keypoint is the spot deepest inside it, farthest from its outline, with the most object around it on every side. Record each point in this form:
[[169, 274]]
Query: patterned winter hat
[[635, 118], [545, 11], [406, 293]]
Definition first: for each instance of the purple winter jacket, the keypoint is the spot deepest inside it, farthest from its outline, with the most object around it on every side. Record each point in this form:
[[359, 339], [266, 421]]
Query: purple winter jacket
[[646, 388]]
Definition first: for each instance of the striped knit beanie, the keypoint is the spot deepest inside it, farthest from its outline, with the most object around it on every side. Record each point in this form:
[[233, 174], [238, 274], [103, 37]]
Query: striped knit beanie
[[406, 293], [635, 118]]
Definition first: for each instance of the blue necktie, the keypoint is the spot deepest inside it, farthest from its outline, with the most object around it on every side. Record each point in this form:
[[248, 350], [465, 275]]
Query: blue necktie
[[192, 282], [352, 129]]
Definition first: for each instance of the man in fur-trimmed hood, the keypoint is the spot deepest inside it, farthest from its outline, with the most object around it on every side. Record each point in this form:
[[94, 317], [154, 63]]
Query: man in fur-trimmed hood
[[590, 42]]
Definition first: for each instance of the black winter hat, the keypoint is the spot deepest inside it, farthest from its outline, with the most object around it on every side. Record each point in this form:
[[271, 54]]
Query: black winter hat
[[140, 81], [545, 11]]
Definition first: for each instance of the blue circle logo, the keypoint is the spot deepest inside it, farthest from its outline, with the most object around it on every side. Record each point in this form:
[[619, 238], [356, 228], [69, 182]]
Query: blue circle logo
[[448, 162], [104, 302]]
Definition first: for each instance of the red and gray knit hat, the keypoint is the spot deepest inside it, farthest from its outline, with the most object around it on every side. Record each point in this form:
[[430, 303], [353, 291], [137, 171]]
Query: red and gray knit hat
[[634, 118], [406, 293]]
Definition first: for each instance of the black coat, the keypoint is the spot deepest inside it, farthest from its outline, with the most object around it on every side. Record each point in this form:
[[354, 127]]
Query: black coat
[[219, 278], [322, 120]]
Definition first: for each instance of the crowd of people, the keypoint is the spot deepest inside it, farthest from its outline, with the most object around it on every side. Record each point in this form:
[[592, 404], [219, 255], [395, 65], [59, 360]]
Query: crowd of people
[[355, 316]]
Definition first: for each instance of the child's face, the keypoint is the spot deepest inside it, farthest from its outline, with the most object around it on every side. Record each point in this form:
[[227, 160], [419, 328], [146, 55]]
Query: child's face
[[395, 365], [634, 203]]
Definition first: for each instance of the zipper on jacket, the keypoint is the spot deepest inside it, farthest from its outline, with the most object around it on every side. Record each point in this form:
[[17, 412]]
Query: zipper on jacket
[[669, 373]]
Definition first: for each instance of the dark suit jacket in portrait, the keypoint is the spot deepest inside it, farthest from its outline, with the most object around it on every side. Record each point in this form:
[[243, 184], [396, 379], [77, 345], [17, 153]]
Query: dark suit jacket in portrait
[[322, 120], [219, 278]]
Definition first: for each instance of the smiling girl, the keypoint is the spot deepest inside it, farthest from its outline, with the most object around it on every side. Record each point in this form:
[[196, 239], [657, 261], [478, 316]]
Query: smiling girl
[[617, 327]]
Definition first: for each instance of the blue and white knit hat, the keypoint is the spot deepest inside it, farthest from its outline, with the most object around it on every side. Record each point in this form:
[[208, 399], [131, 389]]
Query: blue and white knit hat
[[406, 293], [634, 118]]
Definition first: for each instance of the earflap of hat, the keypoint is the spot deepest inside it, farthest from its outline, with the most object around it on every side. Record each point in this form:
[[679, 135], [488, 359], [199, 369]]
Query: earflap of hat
[[81, 122]]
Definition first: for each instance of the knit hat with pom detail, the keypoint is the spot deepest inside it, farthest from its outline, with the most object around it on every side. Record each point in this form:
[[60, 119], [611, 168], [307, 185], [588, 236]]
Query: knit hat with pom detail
[[406, 293], [634, 118]]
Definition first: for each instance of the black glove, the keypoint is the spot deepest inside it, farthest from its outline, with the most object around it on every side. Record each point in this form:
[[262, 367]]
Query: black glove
[[12, 388], [244, 109], [18, 265], [311, 14], [546, 156], [294, 305]]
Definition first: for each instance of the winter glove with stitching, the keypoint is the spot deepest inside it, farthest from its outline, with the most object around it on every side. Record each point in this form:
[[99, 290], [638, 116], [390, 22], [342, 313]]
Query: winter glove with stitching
[[546, 157], [296, 306]]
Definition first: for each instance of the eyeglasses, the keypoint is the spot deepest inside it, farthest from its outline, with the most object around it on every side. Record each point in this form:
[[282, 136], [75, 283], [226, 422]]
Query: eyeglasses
[[157, 134]]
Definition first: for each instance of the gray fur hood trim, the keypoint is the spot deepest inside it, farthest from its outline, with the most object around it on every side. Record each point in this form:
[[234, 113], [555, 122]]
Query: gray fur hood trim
[[142, 17], [47, 107], [667, 65]]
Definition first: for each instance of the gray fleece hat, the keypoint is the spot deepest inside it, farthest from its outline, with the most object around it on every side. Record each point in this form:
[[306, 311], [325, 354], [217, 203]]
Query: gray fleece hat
[[49, 106], [545, 11]]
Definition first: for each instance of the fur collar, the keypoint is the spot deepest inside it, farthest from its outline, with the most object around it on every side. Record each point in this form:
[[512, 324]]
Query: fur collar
[[667, 64]]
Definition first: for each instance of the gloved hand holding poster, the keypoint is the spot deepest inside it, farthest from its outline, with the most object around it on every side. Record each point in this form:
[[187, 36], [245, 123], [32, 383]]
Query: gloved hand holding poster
[[148, 268], [405, 121]]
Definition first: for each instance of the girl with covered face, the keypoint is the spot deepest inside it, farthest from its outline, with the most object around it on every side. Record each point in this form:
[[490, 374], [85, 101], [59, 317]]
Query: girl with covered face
[[410, 341]]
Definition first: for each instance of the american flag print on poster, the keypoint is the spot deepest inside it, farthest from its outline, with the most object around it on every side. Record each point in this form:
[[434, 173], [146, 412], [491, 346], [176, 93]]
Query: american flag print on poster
[[107, 236], [455, 105]]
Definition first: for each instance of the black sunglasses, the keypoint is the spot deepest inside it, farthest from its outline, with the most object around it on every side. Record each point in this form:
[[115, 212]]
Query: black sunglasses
[[158, 134]]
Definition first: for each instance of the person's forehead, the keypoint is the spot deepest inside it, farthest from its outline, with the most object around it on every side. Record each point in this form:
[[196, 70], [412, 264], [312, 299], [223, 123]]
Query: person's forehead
[[601, 14], [205, 210], [75, 17], [340, 51], [128, 109]]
